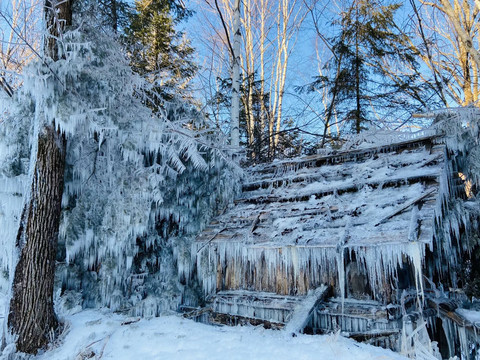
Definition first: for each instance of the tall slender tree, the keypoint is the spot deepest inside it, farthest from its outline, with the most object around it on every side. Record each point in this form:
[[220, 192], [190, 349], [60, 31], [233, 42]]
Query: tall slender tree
[[268, 32], [235, 108], [362, 73], [31, 316]]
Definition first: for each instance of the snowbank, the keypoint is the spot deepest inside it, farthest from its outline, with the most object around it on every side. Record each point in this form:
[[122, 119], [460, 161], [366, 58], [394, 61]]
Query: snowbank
[[172, 337]]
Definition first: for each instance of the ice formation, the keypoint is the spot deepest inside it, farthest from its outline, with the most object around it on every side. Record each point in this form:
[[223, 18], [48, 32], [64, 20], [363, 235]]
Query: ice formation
[[311, 219], [373, 220], [14, 165], [138, 181]]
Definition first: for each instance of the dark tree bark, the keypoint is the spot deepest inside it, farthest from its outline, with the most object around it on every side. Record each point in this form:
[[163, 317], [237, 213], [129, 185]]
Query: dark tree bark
[[113, 7], [31, 316], [58, 15]]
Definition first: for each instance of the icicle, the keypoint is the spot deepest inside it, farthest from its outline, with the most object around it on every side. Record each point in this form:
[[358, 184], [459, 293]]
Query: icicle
[[414, 227], [415, 254], [341, 275]]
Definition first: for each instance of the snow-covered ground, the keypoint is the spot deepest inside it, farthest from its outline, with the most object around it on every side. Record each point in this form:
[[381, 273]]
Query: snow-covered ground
[[100, 335], [172, 337]]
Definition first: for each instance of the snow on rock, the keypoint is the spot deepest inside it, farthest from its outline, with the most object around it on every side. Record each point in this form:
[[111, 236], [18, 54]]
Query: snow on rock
[[172, 337]]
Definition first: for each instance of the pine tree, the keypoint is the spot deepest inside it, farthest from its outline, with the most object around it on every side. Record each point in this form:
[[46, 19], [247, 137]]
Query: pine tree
[[115, 13], [368, 46], [369, 36], [158, 51]]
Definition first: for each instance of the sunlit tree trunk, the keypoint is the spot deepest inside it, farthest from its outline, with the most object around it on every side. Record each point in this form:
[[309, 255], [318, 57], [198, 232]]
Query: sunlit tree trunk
[[269, 27], [235, 109], [263, 37], [460, 60], [288, 22], [249, 75]]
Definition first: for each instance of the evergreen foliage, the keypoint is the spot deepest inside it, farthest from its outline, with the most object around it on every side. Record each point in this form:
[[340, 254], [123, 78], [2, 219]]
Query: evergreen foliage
[[361, 86], [158, 51], [134, 178]]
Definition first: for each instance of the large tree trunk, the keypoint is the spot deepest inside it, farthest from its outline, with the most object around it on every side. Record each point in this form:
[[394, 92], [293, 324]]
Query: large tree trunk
[[31, 315], [58, 15]]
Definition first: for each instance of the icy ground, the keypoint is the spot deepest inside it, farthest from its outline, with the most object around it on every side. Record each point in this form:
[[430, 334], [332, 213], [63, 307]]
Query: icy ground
[[171, 337], [101, 335]]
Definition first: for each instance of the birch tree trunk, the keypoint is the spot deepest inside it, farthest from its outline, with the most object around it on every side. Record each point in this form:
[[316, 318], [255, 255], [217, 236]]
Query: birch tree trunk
[[263, 37], [288, 23], [31, 316], [249, 75], [235, 109]]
